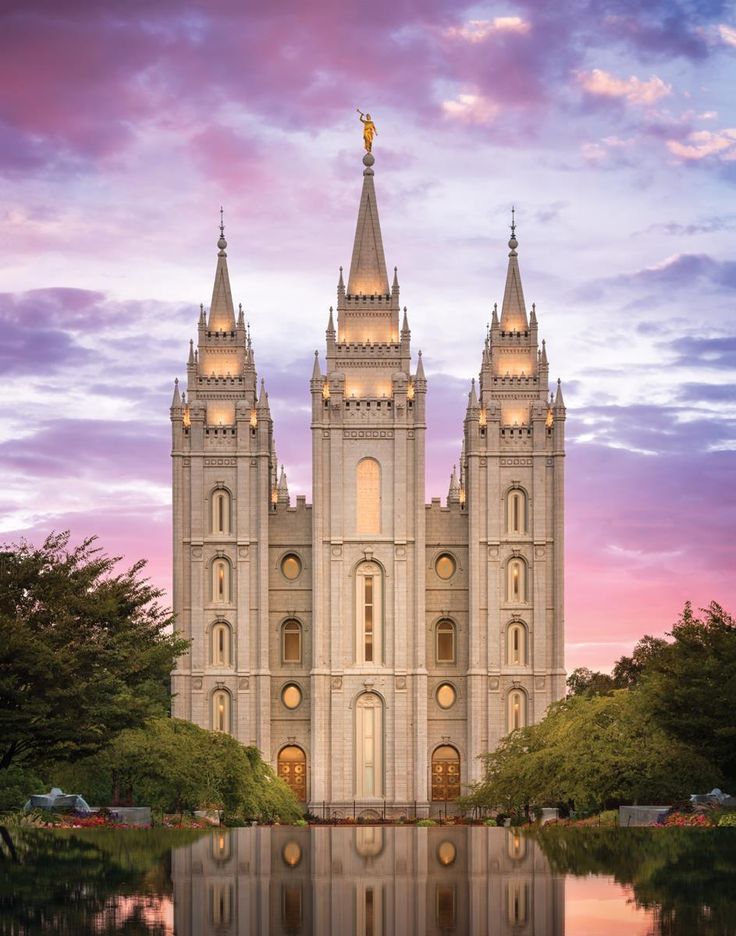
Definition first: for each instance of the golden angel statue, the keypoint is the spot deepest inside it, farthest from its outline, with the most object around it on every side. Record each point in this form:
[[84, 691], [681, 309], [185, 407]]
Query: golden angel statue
[[369, 129]]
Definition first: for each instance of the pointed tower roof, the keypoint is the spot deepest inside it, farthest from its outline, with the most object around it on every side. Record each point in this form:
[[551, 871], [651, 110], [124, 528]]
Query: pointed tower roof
[[513, 309], [559, 401], [316, 370], [368, 265], [453, 495], [222, 312], [420, 368], [176, 400]]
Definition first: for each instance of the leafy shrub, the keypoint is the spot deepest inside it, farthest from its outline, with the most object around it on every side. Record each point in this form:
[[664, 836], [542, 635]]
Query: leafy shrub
[[727, 820], [16, 785], [426, 823]]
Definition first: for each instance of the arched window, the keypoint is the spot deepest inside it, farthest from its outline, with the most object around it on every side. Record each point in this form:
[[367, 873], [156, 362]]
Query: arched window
[[369, 745], [516, 585], [292, 768], [445, 773], [221, 710], [221, 580], [291, 642], [516, 512], [221, 511], [516, 710], [445, 641], [368, 496], [516, 644], [369, 612], [221, 644], [517, 902]]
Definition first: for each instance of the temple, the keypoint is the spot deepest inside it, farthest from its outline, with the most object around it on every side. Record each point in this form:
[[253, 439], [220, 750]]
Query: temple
[[371, 645]]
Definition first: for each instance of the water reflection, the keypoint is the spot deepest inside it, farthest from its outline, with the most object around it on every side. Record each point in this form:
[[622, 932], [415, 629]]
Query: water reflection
[[370, 881]]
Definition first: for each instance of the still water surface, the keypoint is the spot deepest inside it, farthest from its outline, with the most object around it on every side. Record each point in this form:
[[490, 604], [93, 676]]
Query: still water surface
[[370, 881]]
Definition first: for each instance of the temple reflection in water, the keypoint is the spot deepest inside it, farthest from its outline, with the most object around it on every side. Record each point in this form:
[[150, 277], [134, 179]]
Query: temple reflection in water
[[367, 880]]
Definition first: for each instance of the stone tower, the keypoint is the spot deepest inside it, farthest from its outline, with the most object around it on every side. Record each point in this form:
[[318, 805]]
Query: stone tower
[[371, 645]]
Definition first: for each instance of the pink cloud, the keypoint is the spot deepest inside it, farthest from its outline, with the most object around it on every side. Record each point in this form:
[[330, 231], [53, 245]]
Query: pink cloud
[[701, 144], [477, 30], [471, 108], [632, 89]]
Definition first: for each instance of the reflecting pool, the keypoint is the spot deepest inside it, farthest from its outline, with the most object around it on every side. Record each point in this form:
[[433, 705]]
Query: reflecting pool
[[369, 880]]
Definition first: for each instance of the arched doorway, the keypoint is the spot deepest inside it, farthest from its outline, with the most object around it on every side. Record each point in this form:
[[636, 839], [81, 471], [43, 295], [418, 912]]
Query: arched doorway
[[445, 773], [292, 768]]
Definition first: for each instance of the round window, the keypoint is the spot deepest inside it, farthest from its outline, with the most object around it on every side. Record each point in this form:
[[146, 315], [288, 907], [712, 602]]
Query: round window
[[445, 566], [291, 566], [292, 854], [291, 696], [446, 853], [446, 696]]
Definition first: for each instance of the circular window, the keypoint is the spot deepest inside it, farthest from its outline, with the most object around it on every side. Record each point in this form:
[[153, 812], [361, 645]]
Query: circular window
[[291, 566], [292, 854], [291, 696], [446, 853], [446, 696], [445, 566]]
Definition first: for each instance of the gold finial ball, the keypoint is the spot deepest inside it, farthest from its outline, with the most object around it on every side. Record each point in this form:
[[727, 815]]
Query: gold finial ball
[[369, 159]]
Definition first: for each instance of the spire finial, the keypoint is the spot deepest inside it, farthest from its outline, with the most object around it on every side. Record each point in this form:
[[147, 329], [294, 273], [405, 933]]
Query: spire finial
[[513, 243], [222, 243]]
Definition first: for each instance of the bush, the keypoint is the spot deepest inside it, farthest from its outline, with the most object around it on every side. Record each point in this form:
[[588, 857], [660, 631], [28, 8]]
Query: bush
[[727, 820], [16, 785], [425, 823]]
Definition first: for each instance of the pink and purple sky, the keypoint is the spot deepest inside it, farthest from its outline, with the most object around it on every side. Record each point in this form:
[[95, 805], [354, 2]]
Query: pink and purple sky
[[610, 124]]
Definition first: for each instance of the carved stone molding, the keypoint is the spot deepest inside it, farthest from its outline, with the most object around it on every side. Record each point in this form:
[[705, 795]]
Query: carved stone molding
[[336, 682], [187, 462], [196, 552], [219, 462], [244, 683], [539, 552], [493, 683], [337, 551], [539, 682], [244, 552], [483, 462], [197, 682], [410, 434], [493, 552], [401, 682], [368, 434], [512, 462], [400, 552]]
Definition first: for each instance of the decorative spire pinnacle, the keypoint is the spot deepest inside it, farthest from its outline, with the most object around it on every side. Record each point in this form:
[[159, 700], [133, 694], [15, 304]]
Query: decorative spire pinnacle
[[191, 352], [241, 316], [316, 370], [453, 495], [420, 368], [283, 488], [543, 353], [559, 401], [513, 309], [341, 284], [222, 313], [405, 324], [331, 325], [262, 401], [176, 401], [494, 314], [368, 275], [395, 284], [472, 396], [202, 316]]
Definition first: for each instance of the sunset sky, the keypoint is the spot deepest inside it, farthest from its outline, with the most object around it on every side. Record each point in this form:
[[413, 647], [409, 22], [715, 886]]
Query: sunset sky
[[610, 124]]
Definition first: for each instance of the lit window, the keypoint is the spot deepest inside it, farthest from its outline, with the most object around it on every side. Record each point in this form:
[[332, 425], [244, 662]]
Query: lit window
[[445, 647], [446, 696], [517, 710], [220, 511], [368, 496], [292, 854], [221, 711], [291, 566], [291, 696], [445, 775], [221, 580], [516, 511], [516, 586], [445, 566], [368, 581], [291, 648], [369, 745], [516, 645], [221, 644], [446, 853]]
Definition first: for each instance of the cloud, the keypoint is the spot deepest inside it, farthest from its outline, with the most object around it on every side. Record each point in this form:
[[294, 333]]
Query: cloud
[[701, 144], [727, 34], [603, 84], [471, 108], [477, 30]]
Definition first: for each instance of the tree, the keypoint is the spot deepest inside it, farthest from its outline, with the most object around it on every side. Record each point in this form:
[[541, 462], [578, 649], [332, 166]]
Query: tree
[[587, 682], [592, 752], [628, 671], [690, 686], [176, 766], [84, 652]]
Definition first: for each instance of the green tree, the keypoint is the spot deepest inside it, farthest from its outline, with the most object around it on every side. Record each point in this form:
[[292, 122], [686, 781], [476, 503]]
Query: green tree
[[690, 686], [176, 766], [586, 682], [591, 752], [85, 652], [628, 671]]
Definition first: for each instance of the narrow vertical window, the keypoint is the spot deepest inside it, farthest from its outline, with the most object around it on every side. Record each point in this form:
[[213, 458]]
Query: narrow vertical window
[[516, 645], [369, 615], [369, 745], [368, 496], [221, 711], [516, 504], [291, 646], [220, 511], [517, 710], [516, 585], [445, 646], [221, 644], [221, 580]]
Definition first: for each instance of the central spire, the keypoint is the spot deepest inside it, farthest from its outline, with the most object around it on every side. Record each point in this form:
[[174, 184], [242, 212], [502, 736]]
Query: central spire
[[513, 310], [222, 312], [368, 275]]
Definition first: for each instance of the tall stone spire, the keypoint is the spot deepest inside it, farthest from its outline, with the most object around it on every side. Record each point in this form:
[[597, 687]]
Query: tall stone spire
[[513, 310], [368, 265], [222, 311]]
